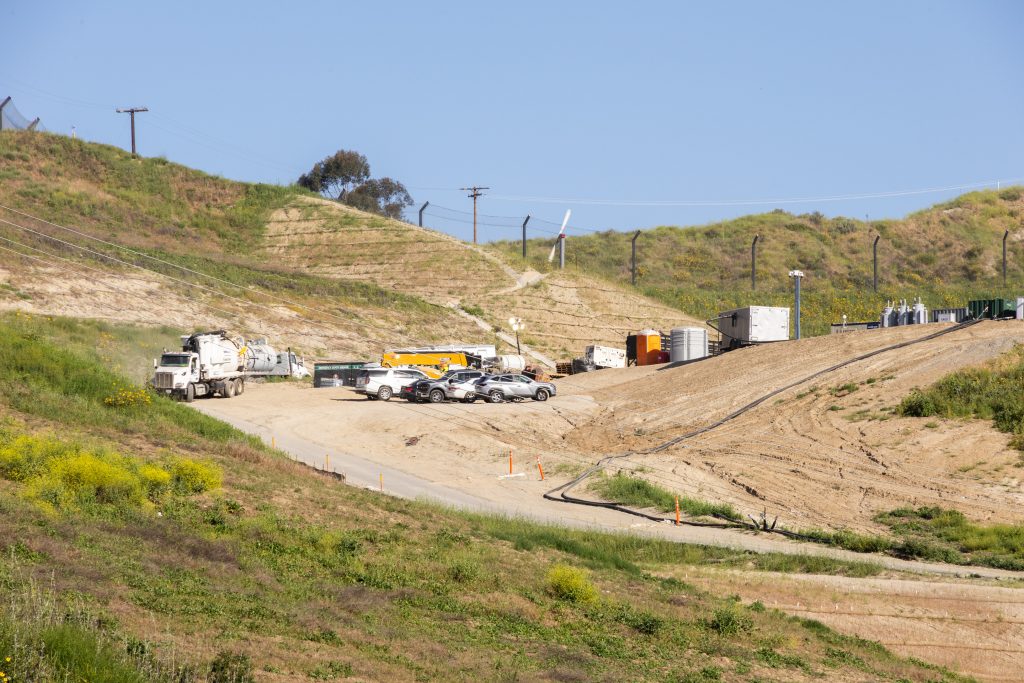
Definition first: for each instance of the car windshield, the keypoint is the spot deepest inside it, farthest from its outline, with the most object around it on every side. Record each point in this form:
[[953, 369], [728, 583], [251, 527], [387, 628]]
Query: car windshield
[[174, 360]]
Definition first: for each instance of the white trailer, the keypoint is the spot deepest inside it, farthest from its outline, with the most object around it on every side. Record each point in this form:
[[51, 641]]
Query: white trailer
[[213, 363], [753, 325], [605, 356]]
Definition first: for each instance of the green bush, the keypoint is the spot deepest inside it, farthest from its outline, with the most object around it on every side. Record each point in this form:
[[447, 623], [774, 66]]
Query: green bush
[[231, 667], [571, 584], [730, 620]]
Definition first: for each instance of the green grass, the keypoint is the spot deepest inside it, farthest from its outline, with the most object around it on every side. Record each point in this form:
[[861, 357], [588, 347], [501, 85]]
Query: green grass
[[706, 269], [994, 392], [638, 492]]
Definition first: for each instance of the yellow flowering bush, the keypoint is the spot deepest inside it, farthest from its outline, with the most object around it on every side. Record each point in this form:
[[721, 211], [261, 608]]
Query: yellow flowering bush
[[125, 397]]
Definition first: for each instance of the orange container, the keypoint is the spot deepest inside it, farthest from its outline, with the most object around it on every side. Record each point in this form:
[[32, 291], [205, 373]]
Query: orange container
[[648, 346]]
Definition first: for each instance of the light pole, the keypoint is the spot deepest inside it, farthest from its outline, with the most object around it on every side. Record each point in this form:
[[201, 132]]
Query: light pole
[[797, 275], [517, 324]]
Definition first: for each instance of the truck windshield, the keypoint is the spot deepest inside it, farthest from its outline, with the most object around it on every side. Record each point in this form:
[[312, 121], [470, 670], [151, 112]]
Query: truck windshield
[[174, 360]]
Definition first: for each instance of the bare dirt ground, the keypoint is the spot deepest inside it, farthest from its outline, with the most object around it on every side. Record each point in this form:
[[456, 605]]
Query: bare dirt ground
[[974, 628]]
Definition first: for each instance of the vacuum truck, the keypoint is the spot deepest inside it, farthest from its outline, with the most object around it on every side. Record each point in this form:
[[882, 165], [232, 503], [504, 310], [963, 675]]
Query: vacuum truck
[[214, 363]]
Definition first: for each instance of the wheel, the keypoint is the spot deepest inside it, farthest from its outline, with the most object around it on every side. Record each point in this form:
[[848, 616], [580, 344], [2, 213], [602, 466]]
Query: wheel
[[496, 396], [542, 395], [190, 393], [384, 393], [469, 398], [239, 386], [371, 397], [229, 388], [436, 396]]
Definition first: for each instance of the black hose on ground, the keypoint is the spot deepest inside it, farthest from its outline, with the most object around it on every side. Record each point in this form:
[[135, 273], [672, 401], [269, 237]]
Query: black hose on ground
[[563, 490]]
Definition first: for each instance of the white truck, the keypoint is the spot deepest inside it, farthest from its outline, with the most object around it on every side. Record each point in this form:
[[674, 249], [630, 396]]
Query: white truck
[[605, 356], [214, 363]]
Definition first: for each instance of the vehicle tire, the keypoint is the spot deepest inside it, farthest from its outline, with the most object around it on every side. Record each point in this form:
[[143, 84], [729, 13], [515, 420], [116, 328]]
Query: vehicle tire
[[436, 396], [229, 388], [469, 398], [385, 393], [542, 395], [190, 393], [371, 397], [239, 386], [496, 396]]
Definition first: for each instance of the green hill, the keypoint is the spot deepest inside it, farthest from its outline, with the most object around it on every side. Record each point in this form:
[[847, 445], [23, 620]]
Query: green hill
[[944, 254], [144, 541]]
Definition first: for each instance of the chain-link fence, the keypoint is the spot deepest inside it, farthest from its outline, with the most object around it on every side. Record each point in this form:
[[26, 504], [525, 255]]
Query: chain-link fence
[[12, 119]]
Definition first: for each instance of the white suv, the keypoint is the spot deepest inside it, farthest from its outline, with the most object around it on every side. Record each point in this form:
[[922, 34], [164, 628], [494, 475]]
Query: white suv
[[383, 383]]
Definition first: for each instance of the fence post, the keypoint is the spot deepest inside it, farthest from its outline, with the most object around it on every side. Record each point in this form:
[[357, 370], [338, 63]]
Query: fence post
[[425, 205], [3, 104], [635, 235], [1005, 235], [874, 257], [524, 234], [753, 263]]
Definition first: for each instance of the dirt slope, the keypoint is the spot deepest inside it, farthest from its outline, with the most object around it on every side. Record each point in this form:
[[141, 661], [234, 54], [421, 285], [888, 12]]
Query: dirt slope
[[817, 455]]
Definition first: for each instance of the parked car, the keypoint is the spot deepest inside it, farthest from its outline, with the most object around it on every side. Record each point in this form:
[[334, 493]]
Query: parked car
[[498, 388], [383, 383], [458, 385]]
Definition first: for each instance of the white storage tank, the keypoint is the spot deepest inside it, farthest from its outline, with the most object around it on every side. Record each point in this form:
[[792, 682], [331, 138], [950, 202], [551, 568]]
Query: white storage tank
[[688, 343], [511, 363]]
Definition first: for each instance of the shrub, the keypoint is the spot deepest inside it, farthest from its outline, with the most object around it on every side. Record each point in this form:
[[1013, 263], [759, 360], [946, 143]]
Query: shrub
[[193, 476], [231, 667], [571, 584], [730, 620]]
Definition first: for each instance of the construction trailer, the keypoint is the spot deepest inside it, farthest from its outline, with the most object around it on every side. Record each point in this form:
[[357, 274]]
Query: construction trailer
[[605, 356], [753, 325], [337, 373]]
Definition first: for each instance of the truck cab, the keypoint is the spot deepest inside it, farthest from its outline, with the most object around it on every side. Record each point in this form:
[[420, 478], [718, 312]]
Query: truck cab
[[177, 374]]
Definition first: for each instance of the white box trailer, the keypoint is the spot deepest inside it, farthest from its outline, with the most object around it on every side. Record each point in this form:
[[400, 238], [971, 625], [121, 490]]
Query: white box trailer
[[605, 356], [753, 325], [1020, 308]]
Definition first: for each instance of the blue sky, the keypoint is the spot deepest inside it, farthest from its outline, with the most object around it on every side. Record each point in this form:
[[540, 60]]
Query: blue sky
[[626, 104]]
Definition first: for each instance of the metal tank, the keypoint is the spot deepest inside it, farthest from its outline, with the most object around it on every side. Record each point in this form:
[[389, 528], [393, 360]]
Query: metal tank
[[688, 343], [260, 357], [919, 313], [888, 314]]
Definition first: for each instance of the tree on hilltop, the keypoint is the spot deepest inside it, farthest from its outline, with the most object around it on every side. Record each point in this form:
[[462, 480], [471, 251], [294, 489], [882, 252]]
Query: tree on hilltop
[[345, 177], [337, 174]]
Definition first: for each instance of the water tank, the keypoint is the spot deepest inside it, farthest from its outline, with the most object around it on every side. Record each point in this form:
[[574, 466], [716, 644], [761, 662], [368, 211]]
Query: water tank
[[688, 343]]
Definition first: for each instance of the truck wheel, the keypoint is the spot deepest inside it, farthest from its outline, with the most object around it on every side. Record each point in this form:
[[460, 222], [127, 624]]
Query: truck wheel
[[239, 387], [437, 396], [496, 396], [542, 395], [190, 393], [384, 393], [229, 388]]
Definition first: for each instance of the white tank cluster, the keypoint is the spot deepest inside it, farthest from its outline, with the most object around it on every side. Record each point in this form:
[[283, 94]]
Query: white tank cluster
[[904, 314], [688, 343]]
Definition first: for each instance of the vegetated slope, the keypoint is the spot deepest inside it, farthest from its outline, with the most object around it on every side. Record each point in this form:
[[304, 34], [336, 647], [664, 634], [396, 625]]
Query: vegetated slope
[[189, 543], [945, 254], [324, 278], [828, 453]]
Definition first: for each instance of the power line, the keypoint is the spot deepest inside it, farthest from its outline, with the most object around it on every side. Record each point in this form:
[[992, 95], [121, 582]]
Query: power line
[[754, 202]]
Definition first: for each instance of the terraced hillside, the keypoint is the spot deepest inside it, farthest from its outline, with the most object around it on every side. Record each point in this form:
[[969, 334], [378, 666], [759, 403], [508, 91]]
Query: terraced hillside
[[944, 254], [322, 277]]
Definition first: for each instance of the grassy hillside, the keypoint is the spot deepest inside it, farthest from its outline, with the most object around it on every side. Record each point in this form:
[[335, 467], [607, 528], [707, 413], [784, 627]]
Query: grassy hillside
[[944, 254], [146, 542]]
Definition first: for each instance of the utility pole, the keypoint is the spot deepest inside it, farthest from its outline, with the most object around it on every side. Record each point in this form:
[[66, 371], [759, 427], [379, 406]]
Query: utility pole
[[561, 251], [797, 275], [753, 263], [425, 205], [524, 234], [874, 257], [132, 111], [635, 235], [474, 193], [1005, 235]]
